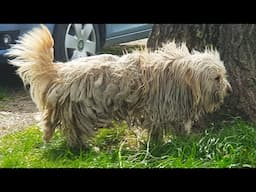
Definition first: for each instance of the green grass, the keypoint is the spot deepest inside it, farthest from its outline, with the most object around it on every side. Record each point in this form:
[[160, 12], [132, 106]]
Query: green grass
[[227, 145], [121, 49], [3, 97], [3, 93]]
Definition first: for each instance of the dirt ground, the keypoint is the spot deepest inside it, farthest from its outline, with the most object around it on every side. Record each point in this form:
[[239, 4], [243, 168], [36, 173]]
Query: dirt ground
[[17, 110]]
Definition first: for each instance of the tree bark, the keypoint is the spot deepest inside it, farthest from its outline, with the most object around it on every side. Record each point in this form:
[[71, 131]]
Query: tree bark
[[236, 44]]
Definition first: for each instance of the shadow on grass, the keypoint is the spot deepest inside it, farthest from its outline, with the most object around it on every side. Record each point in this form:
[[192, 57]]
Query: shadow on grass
[[106, 141], [59, 149]]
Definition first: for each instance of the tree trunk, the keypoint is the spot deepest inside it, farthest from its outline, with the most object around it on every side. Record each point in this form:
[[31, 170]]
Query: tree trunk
[[237, 46]]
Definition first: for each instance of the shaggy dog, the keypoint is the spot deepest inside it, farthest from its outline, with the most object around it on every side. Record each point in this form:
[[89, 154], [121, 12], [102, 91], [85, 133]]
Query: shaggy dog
[[156, 90]]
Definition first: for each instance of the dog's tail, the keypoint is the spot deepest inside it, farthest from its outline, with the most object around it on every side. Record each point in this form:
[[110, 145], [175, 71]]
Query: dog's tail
[[33, 56]]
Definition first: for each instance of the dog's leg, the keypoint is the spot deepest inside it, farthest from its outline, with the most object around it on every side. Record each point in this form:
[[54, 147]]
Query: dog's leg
[[47, 125], [188, 126]]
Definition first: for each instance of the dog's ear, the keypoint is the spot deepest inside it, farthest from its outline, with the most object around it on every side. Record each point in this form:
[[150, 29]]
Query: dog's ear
[[193, 83], [188, 76]]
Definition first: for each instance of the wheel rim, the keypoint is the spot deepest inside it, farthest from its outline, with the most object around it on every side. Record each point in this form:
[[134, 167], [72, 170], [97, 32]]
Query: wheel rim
[[80, 41]]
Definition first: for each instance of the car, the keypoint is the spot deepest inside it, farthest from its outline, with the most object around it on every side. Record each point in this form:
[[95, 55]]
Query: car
[[77, 40]]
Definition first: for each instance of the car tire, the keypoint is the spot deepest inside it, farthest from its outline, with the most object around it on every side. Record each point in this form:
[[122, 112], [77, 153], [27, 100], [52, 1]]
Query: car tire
[[75, 40]]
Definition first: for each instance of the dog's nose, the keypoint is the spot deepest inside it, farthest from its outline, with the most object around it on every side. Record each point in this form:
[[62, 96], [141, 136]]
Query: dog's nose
[[229, 89]]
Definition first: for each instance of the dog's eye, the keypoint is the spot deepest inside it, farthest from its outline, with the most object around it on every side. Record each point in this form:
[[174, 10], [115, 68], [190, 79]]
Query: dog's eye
[[217, 78]]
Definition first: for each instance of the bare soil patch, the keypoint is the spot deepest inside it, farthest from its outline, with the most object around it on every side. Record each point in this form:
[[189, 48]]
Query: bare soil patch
[[17, 112]]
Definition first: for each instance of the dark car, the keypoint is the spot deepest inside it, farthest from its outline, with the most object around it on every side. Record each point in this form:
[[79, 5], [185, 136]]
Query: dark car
[[77, 40]]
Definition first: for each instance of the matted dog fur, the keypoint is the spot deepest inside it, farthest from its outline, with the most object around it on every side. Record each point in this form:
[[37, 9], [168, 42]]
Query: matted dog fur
[[155, 90]]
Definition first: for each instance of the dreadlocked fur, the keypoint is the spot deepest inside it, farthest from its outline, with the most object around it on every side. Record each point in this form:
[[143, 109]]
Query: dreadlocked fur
[[155, 90]]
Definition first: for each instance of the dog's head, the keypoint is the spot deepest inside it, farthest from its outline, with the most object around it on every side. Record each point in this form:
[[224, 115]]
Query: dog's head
[[208, 79]]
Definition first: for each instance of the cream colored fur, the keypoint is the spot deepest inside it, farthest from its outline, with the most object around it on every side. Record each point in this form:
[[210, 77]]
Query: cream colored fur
[[158, 90]]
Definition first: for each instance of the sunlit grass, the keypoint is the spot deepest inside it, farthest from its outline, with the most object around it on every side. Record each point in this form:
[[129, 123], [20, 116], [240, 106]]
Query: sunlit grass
[[226, 145]]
